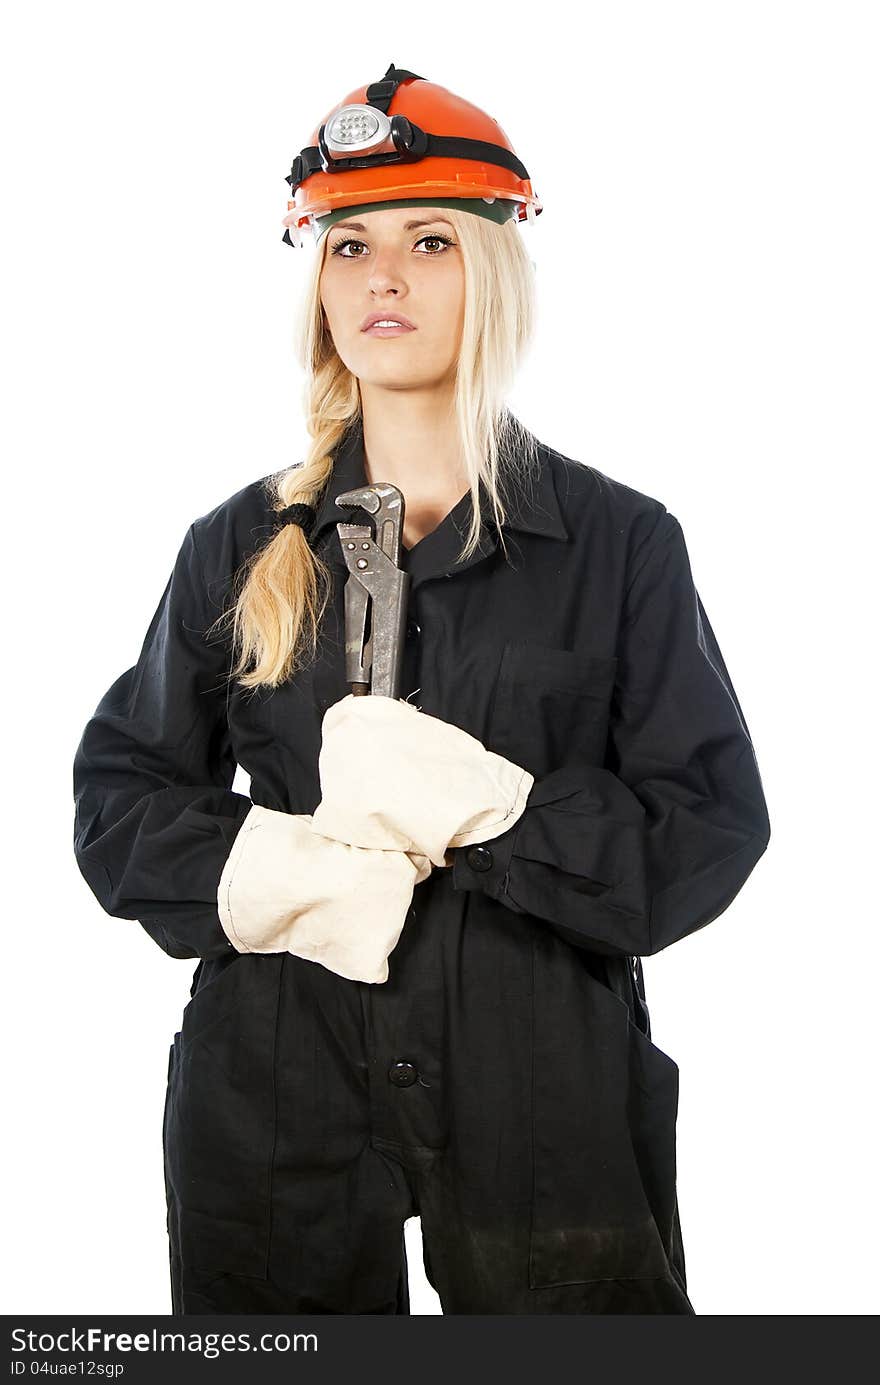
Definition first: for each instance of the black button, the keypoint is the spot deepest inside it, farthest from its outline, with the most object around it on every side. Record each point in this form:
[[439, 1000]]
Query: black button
[[403, 1073], [479, 858], [413, 629]]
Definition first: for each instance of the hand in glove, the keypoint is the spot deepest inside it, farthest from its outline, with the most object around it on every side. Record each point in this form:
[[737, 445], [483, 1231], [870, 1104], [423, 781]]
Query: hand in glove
[[287, 888], [395, 778]]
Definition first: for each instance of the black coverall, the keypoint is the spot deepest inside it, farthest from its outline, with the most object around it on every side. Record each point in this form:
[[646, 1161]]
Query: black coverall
[[502, 1084]]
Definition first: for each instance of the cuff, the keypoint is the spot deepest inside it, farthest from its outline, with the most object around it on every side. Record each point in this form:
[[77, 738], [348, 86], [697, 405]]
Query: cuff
[[256, 888], [515, 785], [485, 865]]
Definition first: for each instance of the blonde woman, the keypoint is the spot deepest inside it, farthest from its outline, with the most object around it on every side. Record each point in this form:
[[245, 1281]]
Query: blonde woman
[[418, 989]]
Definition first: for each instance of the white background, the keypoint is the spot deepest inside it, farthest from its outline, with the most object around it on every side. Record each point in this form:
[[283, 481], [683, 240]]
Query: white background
[[707, 267]]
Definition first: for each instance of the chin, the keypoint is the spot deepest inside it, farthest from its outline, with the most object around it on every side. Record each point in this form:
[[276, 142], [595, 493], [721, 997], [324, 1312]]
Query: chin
[[397, 381], [402, 371]]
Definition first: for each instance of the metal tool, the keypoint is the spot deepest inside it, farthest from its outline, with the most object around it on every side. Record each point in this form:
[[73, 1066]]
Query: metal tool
[[376, 593]]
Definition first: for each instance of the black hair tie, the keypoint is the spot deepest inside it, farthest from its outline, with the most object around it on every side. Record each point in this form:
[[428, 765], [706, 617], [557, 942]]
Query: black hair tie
[[303, 515]]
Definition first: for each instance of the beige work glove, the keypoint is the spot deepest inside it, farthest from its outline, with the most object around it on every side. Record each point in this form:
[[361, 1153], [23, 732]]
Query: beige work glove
[[287, 888], [395, 778]]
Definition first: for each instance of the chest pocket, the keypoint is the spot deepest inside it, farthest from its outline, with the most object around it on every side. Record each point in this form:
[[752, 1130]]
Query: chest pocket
[[551, 706]]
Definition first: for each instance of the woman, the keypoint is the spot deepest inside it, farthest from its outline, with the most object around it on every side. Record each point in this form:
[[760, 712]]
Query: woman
[[419, 989]]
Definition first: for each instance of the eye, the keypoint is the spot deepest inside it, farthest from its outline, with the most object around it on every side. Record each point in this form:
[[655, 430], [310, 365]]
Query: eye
[[439, 239], [342, 244], [436, 237]]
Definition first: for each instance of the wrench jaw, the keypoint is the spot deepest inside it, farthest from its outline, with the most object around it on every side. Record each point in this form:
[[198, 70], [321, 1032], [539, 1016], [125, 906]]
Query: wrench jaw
[[376, 592], [387, 505]]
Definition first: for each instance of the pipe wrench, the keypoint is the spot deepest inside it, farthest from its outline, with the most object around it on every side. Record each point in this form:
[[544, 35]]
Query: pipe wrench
[[376, 592]]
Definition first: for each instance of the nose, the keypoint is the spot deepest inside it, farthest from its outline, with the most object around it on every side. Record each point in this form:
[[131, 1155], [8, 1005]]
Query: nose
[[386, 275]]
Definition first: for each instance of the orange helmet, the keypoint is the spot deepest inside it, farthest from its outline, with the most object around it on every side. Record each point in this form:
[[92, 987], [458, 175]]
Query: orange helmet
[[403, 140]]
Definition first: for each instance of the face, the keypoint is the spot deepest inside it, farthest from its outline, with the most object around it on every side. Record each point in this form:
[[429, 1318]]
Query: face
[[400, 261]]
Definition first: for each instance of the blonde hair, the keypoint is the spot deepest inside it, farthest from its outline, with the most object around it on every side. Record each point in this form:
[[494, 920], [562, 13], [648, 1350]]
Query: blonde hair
[[280, 592]]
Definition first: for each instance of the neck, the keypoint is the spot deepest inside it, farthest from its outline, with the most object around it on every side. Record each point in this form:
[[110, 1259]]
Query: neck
[[411, 442]]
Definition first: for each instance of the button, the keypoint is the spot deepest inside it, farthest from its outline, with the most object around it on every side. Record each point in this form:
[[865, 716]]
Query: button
[[479, 858], [413, 629], [403, 1073]]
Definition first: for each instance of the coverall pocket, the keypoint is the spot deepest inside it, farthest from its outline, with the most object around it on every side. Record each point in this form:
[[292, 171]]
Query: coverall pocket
[[605, 1102], [219, 1124], [551, 706], [217, 990]]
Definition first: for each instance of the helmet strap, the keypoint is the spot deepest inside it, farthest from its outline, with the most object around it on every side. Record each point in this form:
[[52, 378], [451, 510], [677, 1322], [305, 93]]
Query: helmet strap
[[379, 94]]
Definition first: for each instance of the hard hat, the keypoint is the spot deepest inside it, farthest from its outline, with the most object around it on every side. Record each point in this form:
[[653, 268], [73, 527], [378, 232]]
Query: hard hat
[[431, 147]]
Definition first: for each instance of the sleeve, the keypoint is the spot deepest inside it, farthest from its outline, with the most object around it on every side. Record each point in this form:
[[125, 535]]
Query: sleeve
[[155, 817], [632, 856]]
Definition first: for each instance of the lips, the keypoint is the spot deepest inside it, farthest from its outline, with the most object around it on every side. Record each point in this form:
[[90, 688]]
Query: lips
[[370, 322]]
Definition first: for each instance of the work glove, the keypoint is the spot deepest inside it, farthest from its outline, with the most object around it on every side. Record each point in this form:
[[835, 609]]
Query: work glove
[[288, 888], [395, 778]]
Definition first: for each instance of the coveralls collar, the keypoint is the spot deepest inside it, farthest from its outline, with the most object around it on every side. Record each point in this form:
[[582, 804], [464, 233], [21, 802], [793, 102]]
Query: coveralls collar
[[534, 509]]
